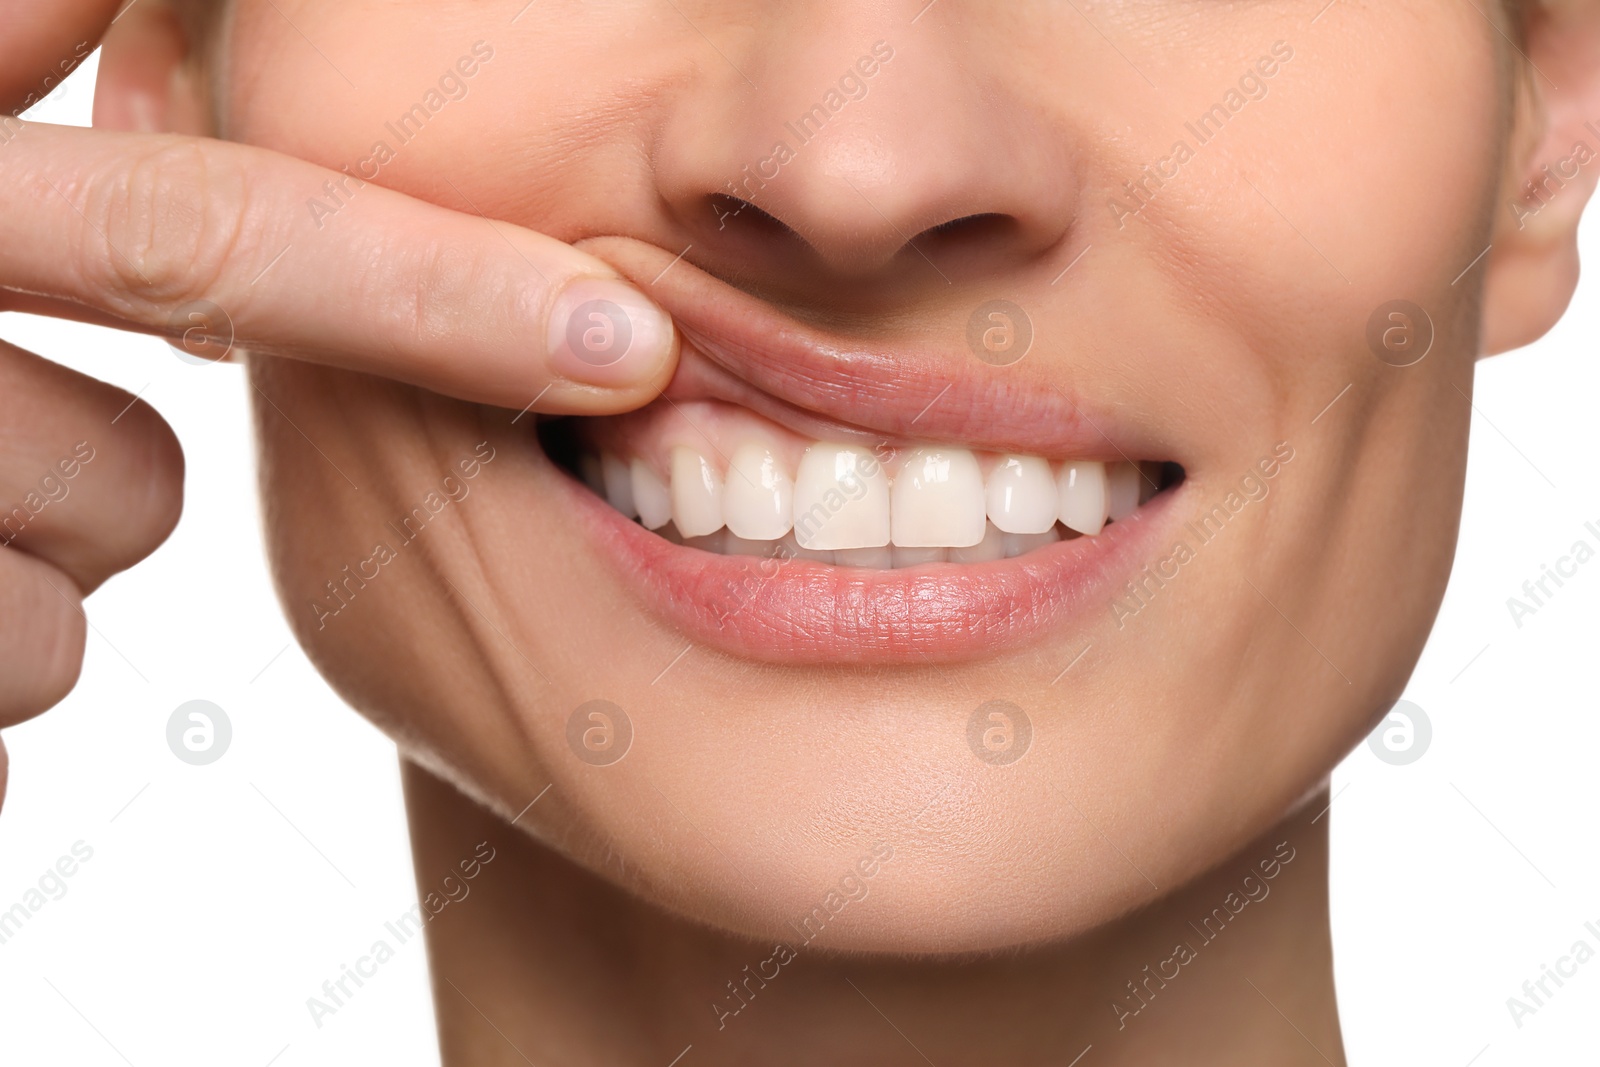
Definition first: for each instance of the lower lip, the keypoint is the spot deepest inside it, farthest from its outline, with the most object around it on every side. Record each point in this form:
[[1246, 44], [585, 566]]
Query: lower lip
[[799, 612]]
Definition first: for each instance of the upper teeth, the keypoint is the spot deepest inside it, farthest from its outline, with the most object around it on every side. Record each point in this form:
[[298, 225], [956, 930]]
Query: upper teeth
[[841, 504]]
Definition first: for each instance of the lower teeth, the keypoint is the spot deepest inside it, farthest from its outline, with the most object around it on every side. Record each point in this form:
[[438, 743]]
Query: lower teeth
[[994, 546]]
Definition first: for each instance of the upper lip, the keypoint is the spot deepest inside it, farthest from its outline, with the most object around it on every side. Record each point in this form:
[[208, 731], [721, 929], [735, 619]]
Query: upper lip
[[742, 350]]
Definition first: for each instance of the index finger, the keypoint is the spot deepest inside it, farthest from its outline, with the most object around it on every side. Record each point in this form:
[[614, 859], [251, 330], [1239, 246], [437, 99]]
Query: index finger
[[153, 230], [43, 43]]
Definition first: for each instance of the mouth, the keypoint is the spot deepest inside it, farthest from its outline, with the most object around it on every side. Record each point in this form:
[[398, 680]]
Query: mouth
[[797, 496]]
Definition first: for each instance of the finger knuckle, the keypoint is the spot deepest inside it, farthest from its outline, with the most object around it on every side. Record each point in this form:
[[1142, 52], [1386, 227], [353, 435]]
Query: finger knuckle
[[168, 223]]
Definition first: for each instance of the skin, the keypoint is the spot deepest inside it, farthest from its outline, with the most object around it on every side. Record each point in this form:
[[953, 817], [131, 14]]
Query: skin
[[1191, 741]]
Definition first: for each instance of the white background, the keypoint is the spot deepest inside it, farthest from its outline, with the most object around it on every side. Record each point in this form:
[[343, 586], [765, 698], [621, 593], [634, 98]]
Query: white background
[[219, 898]]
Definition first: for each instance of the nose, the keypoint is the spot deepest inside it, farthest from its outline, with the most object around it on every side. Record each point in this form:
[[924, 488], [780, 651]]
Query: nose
[[847, 136]]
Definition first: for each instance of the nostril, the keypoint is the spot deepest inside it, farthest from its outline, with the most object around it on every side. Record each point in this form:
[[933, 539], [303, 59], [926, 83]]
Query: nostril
[[728, 210], [993, 228]]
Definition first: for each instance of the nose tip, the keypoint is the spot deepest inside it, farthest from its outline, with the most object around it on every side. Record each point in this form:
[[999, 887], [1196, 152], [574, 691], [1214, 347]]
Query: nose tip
[[923, 165]]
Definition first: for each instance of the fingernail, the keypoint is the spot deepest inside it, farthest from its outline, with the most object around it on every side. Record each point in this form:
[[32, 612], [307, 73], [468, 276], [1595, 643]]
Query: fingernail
[[605, 332]]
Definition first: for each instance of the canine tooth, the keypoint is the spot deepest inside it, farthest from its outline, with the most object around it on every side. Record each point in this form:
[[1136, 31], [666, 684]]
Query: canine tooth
[[1020, 544], [991, 548], [696, 493], [792, 549], [619, 484], [841, 499], [1082, 488], [650, 496], [877, 558], [1021, 495], [938, 500], [1122, 489], [758, 494], [918, 555]]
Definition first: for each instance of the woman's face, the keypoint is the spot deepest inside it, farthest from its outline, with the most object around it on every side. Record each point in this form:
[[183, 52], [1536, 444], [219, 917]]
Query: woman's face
[[1199, 217]]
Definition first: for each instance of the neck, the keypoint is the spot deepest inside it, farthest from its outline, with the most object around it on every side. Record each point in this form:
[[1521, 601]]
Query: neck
[[542, 961]]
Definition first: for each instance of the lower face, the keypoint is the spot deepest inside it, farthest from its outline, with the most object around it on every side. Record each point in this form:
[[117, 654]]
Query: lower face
[[1095, 625]]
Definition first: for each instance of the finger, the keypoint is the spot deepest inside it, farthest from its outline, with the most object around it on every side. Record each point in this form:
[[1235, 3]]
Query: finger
[[42, 628], [90, 480], [43, 43], [143, 227]]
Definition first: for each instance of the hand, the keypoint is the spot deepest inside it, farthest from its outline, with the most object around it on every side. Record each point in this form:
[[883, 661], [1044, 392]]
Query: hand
[[210, 244]]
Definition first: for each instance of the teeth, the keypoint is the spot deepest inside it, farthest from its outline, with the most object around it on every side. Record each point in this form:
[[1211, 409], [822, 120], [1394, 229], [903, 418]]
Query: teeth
[[696, 493], [842, 508], [618, 481], [650, 496], [1081, 486], [758, 496], [841, 499], [1021, 495], [938, 500], [1122, 490]]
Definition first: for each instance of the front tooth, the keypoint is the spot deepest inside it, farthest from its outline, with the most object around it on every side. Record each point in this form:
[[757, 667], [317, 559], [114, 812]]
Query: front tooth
[[1122, 490], [938, 500], [841, 499], [619, 484], [758, 496], [1082, 489], [991, 548], [696, 493], [1021, 494], [650, 496]]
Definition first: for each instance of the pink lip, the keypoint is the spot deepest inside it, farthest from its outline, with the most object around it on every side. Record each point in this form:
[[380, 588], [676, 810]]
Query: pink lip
[[742, 350], [830, 386]]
